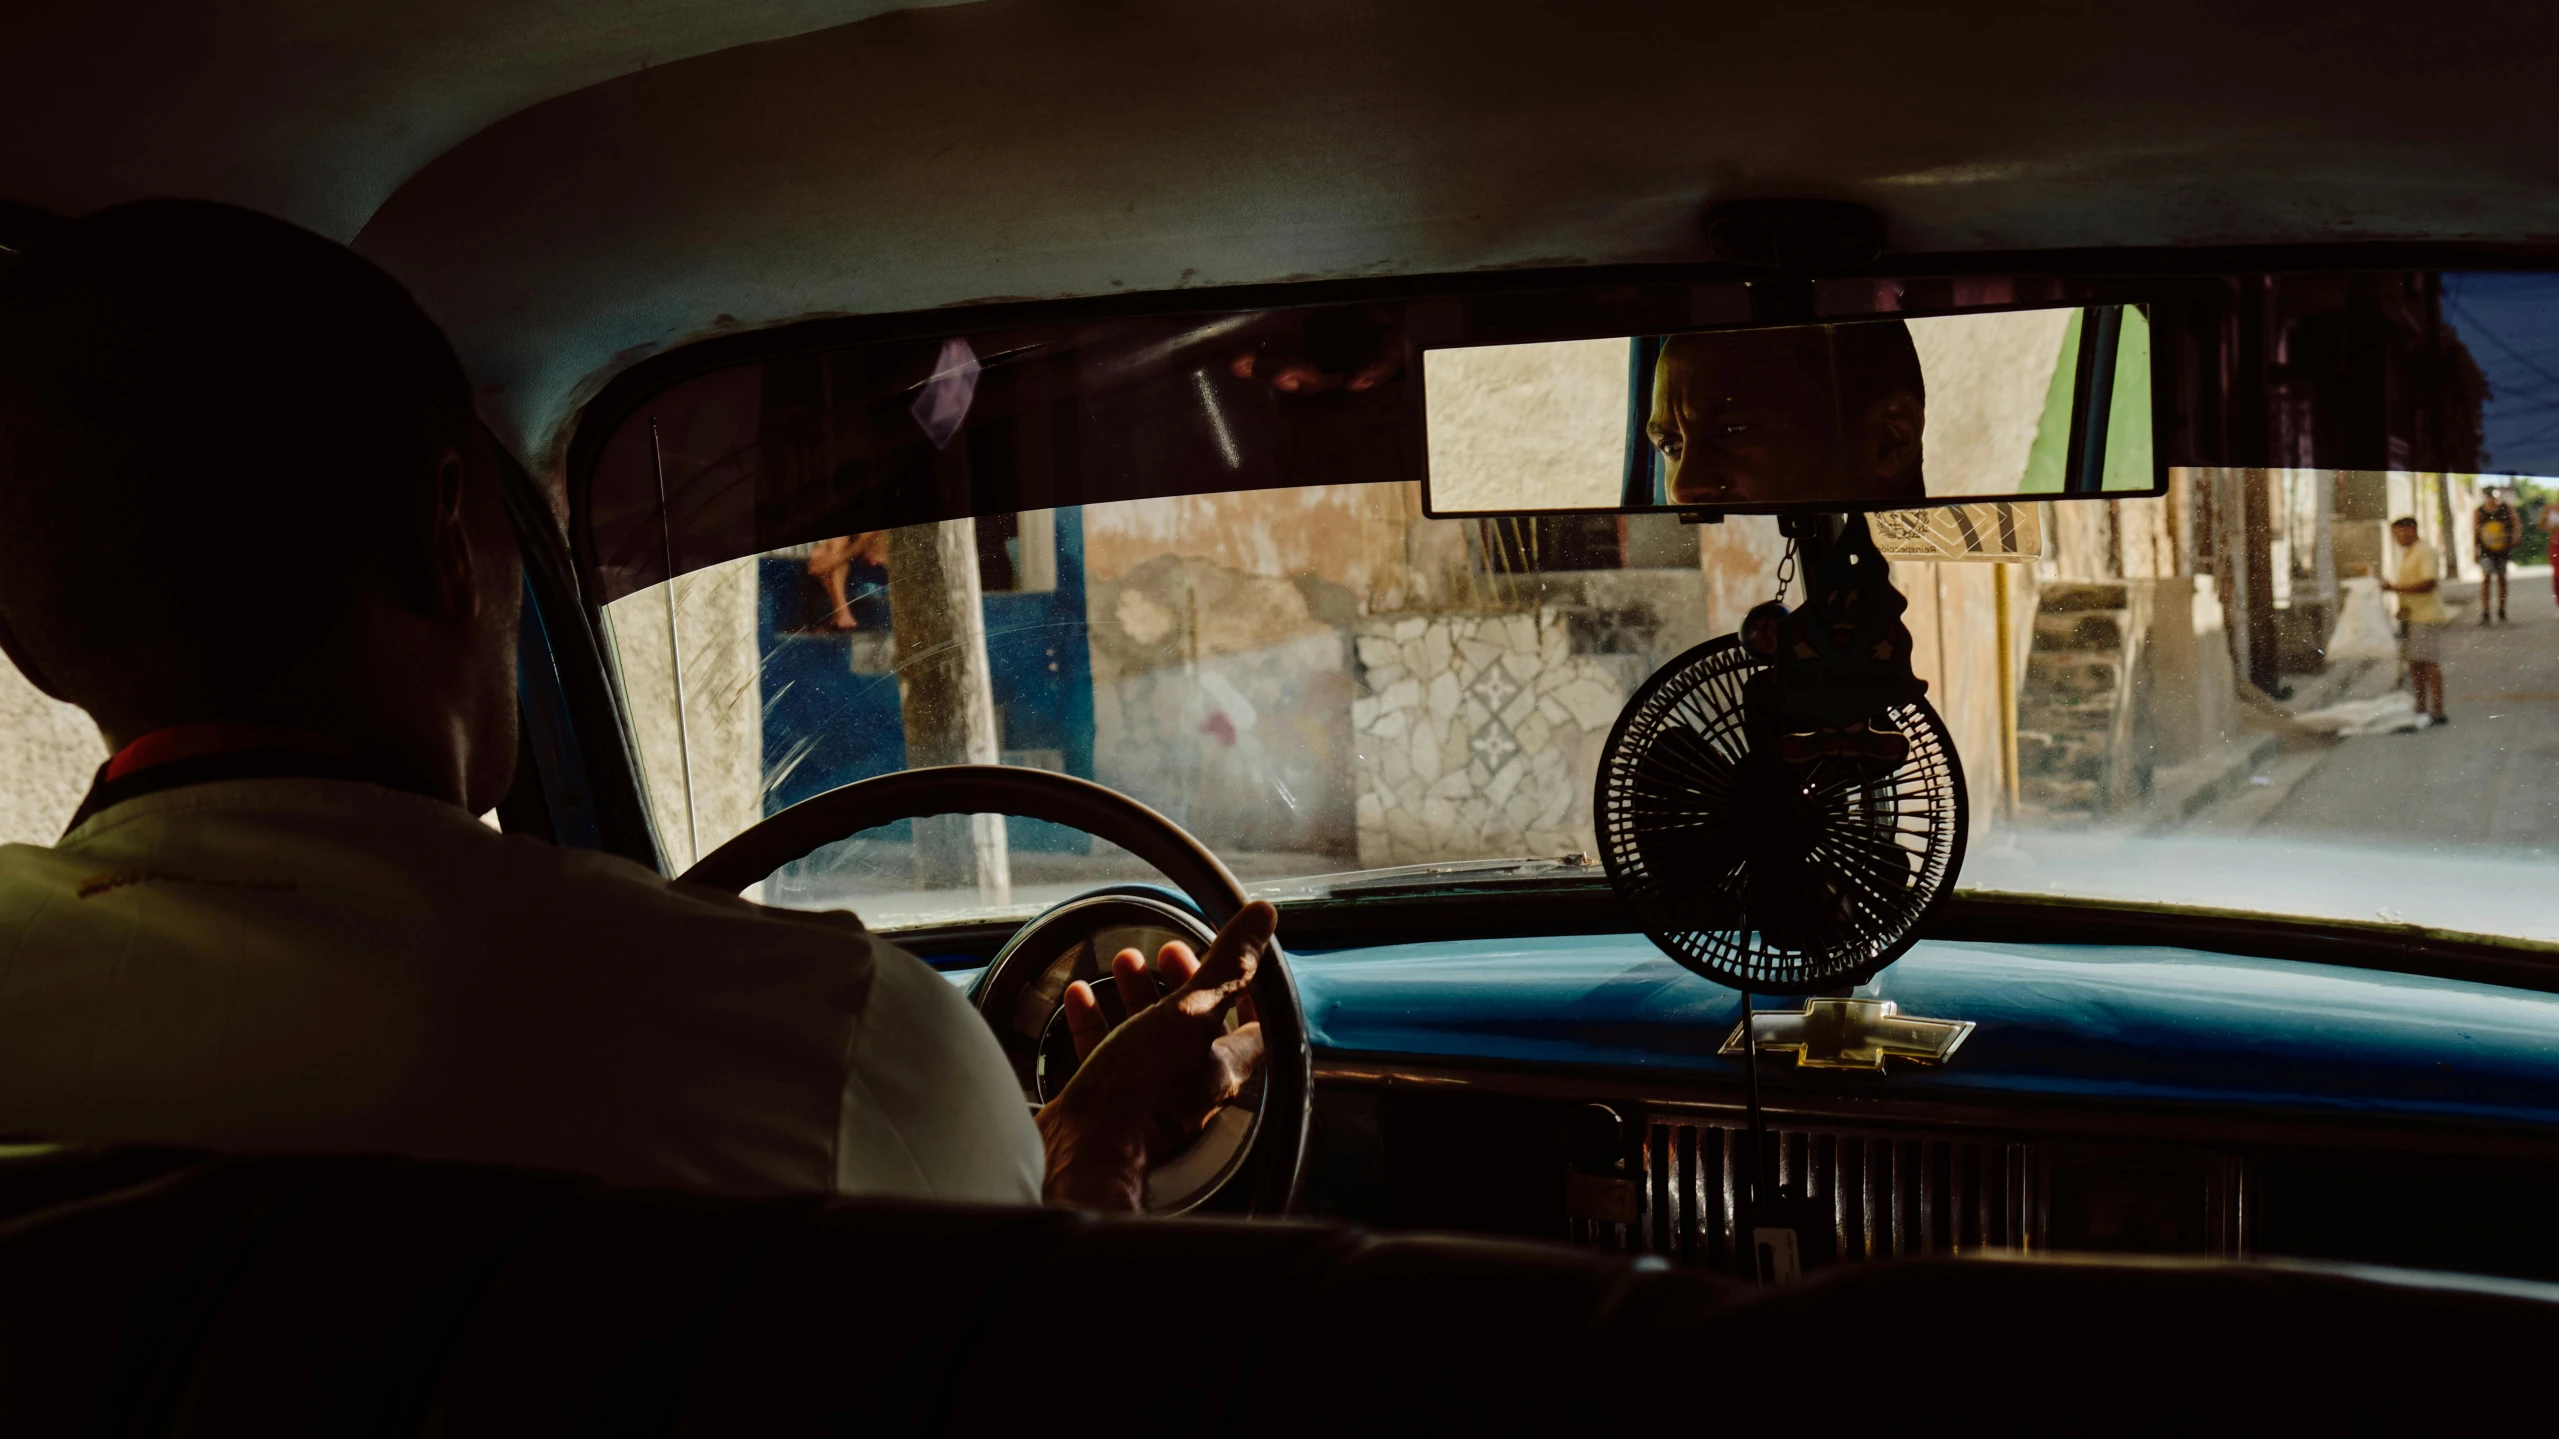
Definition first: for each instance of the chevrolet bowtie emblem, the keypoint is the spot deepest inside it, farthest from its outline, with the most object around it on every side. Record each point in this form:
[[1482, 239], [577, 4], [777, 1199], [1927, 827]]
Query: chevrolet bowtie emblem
[[1854, 1034]]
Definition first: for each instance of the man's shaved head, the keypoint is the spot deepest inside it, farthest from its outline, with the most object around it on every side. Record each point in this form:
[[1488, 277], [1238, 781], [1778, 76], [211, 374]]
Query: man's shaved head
[[220, 438]]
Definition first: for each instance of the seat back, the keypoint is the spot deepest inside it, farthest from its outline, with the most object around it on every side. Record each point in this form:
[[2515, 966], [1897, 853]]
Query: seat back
[[148, 1292]]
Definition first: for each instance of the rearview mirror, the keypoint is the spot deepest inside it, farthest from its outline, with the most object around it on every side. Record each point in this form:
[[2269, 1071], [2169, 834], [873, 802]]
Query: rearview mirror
[[1858, 415]]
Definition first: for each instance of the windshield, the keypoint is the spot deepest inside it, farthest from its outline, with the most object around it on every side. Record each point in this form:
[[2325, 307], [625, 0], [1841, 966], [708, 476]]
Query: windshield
[[1321, 681], [2224, 696]]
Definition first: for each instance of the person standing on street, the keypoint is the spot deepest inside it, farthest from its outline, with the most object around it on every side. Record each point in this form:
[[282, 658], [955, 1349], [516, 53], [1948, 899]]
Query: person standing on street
[[2494, 530], [2422, 616], [2550, 527]]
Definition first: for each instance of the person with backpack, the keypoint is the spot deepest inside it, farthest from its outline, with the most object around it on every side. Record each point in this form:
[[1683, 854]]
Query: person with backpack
[[2494, 531]]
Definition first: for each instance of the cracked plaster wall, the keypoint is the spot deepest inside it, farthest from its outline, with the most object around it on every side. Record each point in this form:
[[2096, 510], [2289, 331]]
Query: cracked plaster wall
[[1223, 699], [1313, 670]]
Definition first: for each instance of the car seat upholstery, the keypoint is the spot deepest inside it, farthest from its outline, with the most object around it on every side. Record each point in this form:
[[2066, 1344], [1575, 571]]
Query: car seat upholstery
[[159, 1292]]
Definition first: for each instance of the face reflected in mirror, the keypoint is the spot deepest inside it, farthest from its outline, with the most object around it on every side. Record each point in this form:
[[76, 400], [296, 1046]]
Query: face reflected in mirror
[[1817, 413]]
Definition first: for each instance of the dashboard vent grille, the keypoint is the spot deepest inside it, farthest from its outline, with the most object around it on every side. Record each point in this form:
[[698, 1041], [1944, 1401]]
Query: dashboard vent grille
[[1885, 1194]]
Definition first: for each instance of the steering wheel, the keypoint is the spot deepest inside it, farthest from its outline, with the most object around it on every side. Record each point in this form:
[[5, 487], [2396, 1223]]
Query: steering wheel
[[1252, 1158]]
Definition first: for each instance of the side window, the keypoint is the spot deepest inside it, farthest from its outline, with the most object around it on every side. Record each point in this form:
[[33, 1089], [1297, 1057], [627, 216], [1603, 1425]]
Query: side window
[[48, 750], [48, 753]]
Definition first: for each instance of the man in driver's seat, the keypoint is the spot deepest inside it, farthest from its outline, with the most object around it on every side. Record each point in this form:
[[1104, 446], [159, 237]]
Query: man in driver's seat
[[246, 522]]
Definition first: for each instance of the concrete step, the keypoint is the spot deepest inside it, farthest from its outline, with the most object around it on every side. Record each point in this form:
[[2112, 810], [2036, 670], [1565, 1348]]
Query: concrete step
[[2065, 677], [2095, 720], [2041, 760], [2092, 631], [2059, 596]]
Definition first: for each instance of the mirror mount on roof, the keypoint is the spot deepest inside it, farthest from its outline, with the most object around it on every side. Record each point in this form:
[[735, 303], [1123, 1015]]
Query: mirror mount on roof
[[1798, 236], [1800, 240], [1812, 533]]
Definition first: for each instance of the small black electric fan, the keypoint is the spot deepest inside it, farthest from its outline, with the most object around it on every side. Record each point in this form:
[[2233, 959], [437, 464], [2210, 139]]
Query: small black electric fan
[[1782, 808]]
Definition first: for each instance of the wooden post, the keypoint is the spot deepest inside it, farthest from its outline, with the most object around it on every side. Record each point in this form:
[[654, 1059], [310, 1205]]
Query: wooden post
[[946, 696], [2005, 636]]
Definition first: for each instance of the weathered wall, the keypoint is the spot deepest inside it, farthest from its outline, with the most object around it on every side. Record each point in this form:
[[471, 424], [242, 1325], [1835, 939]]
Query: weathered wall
[[1223, 698], [1739, 559], [723, 711], [1347, 534], [1322, 670], [1954, 624], [1989, 379], [1527, 427]]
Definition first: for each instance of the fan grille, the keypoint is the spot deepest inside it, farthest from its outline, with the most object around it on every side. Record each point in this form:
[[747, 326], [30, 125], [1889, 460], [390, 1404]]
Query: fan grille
[[1781, 880]]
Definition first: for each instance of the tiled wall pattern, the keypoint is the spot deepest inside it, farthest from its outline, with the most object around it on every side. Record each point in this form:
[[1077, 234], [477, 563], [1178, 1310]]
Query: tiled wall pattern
[[1479, 735]]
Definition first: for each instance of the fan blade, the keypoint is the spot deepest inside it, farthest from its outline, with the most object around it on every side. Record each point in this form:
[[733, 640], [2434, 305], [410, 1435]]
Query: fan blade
[[1692, 860], [1683, 765]]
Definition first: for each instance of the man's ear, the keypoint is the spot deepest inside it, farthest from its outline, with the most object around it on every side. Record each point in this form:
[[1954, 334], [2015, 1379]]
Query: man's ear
[[16, 650], [1900, 422], [455, 589]]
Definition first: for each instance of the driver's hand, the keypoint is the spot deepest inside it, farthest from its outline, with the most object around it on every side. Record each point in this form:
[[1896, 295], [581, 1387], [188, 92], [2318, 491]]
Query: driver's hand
[[1144, 1090]]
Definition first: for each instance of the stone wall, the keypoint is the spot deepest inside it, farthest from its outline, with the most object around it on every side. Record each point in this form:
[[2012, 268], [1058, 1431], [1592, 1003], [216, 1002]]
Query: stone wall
[[1479, 735], [2076, 758], [1279, 712]]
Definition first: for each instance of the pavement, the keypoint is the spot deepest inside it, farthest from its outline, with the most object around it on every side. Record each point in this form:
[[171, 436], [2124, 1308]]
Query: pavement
[[2489, 780], [2454, 827]]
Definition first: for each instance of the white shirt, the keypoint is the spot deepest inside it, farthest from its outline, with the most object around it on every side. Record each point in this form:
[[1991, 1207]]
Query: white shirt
[[323, 965]]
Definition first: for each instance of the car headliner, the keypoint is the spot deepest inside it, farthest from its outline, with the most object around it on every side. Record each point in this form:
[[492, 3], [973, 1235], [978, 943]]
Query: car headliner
[[570, 185]]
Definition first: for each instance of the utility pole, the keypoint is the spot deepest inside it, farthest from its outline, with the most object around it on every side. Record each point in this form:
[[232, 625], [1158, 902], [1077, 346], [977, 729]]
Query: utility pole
[[946, 697]]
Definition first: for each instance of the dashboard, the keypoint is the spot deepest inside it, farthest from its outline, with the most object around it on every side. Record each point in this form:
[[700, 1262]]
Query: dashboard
[[2107, 1097]]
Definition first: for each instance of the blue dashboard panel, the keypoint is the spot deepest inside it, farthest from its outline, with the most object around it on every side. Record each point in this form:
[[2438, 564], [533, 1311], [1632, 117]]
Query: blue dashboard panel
[[2075, 1022]]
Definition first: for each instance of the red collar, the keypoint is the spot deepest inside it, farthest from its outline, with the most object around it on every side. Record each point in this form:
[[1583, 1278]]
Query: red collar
[[194, 741]]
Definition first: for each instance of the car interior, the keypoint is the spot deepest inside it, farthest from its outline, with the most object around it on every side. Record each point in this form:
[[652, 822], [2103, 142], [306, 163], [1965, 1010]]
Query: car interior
[[1804, 614]]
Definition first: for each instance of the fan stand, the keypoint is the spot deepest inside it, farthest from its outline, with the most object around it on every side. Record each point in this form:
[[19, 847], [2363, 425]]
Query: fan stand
[[1807, 537], [1753, 1268]]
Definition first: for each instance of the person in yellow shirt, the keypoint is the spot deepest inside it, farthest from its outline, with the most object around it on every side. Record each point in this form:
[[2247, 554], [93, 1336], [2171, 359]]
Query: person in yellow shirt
[[2415, 579]]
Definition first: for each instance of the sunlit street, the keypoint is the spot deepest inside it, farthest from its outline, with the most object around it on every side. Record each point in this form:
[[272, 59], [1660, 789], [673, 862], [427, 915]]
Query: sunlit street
[[2452, 828]]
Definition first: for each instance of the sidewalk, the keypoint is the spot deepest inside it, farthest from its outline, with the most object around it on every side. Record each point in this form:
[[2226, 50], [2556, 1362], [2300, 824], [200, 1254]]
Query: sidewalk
[[2242, 784], [2179, 792], [2252, 774], [2480, 782]]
